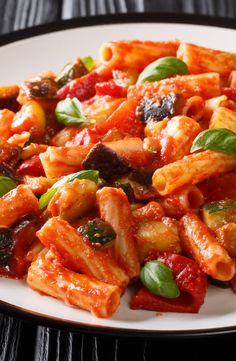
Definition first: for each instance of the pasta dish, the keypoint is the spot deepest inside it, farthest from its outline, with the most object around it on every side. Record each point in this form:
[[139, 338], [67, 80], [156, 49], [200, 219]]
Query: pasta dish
[[121, 170]]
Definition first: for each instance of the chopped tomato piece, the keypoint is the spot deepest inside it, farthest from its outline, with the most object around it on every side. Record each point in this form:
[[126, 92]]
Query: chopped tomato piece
[[124, 119], [110, 88], [32, 167], [230, 93], [84, 137], [82, 88], [191, 280]]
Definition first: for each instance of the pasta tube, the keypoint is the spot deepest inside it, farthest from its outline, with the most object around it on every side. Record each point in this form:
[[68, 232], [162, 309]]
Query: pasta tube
[[204, 60], [79, 255], [16, 204], [198, 242], [205, 85], [48, 276], [115, 209], [191, 169]]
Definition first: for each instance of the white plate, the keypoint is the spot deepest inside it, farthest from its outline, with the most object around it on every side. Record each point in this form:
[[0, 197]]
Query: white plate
[[25, 58]]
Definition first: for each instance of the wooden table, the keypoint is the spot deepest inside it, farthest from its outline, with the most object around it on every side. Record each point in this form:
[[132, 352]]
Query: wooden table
[[22, 341]]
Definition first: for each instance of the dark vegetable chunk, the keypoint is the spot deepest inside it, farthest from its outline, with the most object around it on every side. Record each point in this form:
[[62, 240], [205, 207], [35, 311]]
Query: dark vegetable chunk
[[6, 246], [40, 88], [167, 106], [127, 188], [141, 176], [106, 161], [98, 231], [8, 97], [71, 71]]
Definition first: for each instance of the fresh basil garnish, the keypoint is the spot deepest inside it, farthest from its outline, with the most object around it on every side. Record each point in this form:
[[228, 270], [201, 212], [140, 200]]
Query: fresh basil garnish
[[163, 68], [69, 112], [83, 174], [6, 185], [88, 62], [221, 140], [158, 279]]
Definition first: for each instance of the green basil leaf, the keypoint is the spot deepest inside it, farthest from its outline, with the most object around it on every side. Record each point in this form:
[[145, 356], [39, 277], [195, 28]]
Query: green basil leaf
[[92, 175], [221, 140], [83, 174], [69, 112], [163, 68], [6, 185], [46, 197], [88, 62], [158, 279]]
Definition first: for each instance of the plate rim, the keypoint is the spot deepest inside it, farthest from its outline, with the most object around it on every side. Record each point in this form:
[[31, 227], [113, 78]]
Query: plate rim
[[108, 19]]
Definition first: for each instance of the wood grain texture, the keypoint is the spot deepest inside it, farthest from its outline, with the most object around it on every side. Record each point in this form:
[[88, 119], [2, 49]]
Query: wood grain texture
[[22, 341]]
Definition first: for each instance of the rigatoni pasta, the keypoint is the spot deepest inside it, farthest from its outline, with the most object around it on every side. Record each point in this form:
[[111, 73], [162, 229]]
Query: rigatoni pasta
[[113, 173]]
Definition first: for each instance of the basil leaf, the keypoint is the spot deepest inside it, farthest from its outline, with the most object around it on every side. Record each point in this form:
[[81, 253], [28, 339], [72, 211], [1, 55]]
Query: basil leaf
[[221, 140], [88, 62], [69, 112], [163, 68], [6, 185], [158, 279], [83, 174], [46, 197]]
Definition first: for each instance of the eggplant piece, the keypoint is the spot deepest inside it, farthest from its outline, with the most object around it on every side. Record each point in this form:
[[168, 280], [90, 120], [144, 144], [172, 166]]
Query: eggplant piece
[[98, 231], [8, 97], [7, 171], [109, 164], [6, 246], [152, 110], [40, 89], [71, 71], [141, 176]]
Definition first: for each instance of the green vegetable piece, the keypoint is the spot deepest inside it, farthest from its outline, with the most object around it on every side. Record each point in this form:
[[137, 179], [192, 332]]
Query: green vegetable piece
[[217, 214], [163, 68], [219, 206], [92, 175], [158, 279], [6, 185], [71, 71], [98, 231], [127, 188], [83, 174], [221, 140], [46, 197], [69, 112], [88, 62]]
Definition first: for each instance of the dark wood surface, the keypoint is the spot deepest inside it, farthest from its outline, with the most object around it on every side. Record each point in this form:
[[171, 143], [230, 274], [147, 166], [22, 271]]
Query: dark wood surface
[[22, 341]]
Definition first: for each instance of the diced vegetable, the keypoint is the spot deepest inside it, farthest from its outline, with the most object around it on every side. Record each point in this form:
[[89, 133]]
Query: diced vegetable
[[71, 71], [98, 231], [217, 214], [169, 105], [88, 62], [6, 246], [84, 174], [106, 161]]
